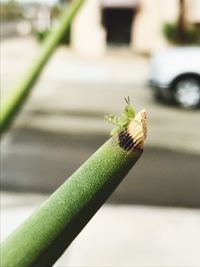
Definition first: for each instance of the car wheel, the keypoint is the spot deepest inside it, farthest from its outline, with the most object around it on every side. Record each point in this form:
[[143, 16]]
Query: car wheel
[[187, 92]]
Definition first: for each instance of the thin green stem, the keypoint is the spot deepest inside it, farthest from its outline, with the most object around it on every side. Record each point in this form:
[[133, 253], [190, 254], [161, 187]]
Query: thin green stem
[[13, 101]]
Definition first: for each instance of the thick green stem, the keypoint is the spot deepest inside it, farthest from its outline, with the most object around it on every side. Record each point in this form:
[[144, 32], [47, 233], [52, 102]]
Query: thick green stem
[[42, 238], [13, 101]]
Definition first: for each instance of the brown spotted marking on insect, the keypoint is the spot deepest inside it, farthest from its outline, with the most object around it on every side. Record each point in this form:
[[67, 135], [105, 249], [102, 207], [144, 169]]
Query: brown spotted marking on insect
[[134, 135]]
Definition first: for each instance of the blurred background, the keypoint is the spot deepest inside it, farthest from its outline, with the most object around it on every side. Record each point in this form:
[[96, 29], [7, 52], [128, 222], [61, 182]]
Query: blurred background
[[112, 50]]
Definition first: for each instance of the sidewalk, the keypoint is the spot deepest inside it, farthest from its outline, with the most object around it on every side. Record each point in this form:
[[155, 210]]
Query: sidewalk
[[118, 66], [122, 235]]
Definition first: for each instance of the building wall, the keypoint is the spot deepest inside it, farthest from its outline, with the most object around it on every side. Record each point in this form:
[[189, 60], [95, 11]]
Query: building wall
[[147, 35], [89, 36], [193, 11]]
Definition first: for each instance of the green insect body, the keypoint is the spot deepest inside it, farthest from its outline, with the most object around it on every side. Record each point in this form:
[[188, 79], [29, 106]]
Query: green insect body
[[123, 121]]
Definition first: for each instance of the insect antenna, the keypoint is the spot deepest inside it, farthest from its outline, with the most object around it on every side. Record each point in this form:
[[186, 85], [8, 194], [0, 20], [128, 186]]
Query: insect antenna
[[127, 100]]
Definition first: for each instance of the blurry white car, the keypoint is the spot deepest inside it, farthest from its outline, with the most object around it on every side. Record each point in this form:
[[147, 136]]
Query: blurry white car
[[175, 75]]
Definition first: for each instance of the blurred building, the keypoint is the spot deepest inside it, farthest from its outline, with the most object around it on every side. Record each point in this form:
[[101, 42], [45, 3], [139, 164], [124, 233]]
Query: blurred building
[[134, 23]]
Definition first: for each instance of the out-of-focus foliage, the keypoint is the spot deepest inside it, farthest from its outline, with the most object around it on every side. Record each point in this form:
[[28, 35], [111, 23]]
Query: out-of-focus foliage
[[55, 13], [36, 14], [10, 11], [191, 34]]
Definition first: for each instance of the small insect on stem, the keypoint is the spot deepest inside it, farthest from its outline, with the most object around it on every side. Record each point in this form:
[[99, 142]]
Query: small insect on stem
[[123, 121]]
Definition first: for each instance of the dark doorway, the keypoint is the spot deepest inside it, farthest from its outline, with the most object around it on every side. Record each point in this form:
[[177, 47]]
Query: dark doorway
[[118, 24]]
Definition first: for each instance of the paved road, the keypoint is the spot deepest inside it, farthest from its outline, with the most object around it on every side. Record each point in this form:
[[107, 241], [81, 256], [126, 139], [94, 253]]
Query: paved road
[[61, 125], [40, 161]]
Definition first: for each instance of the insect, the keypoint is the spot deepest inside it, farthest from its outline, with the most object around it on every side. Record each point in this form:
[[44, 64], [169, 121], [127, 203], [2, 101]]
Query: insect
[[123, 121]]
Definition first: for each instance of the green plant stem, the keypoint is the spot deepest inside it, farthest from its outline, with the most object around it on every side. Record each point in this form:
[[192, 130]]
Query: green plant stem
[[13, 101], [42, 238]]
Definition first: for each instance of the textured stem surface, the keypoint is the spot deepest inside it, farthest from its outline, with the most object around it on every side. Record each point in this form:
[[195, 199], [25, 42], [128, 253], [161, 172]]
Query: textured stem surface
[[42, 238], [46, 234]]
